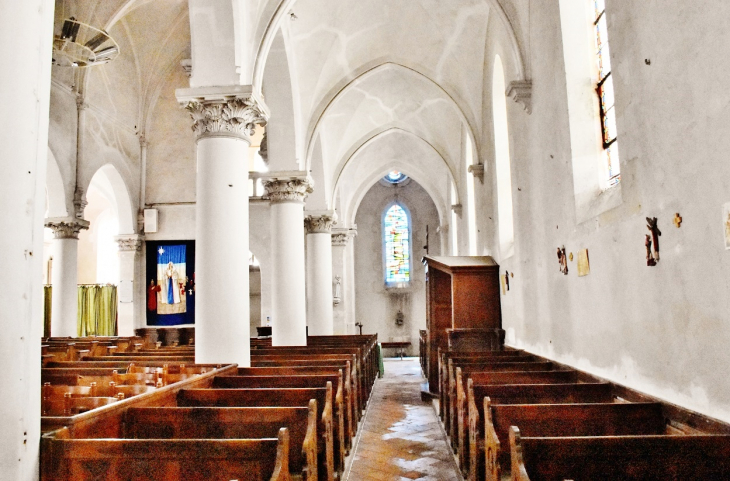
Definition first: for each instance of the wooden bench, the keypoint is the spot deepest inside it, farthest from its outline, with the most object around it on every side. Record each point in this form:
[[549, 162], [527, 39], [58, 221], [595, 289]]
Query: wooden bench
[[608, 458], [354, 355], [353, 380], [342, 417], [525, 394], [235, 423], [400, 347], [298, 381], [447, 389], [65, 458], [489, 426], [285, 397], [512, 373]]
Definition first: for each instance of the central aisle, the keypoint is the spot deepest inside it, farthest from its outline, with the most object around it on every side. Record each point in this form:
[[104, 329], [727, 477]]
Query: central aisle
[[401, 439]]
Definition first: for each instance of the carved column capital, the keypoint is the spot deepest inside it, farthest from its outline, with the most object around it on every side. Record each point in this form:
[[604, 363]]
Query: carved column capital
[[223, 112], [477, 170], [288, 187], [521, 92], [341, 237], [319, 222], [129, 242], [66, 227]]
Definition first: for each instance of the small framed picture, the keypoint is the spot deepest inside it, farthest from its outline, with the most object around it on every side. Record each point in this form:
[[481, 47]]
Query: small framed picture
[[726, 223]]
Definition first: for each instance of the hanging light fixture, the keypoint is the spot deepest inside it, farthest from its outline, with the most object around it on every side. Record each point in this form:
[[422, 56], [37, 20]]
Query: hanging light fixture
[[81, 45]]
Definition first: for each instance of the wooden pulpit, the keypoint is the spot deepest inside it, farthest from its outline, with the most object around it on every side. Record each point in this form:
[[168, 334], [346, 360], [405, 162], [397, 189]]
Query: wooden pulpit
[[462, 303]]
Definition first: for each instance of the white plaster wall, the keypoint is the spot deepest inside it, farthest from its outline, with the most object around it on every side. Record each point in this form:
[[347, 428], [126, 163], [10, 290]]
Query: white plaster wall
[[376, 306], [663, 330]]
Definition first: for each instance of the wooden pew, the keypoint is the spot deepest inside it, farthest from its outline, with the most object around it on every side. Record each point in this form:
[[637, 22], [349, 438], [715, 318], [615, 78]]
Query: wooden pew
[[106, 421], [665, 458], [526, 394], [285, 397], [293, 381], [365, 361], [447, 388], [360, 375], [486, 438], [235, 423], [458, 409], [64, 458], [343, 429], [351, 379], [500, 373]]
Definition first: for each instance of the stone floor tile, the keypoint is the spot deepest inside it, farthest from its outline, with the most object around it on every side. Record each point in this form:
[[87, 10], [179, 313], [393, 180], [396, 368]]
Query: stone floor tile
[[400, 438]]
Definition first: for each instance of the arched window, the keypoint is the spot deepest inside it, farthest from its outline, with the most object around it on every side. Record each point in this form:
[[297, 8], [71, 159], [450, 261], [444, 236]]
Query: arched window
[[396, 237], [605, 96], [501, 151]]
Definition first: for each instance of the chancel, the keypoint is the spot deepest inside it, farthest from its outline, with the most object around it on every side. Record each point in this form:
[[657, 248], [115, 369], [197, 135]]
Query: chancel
[[179, 173]]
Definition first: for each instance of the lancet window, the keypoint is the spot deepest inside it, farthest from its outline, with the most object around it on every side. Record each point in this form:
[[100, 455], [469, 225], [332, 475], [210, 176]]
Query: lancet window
[[396, 229]]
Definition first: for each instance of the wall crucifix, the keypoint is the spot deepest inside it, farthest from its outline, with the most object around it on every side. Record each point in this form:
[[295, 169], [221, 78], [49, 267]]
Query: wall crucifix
[[652, 256]]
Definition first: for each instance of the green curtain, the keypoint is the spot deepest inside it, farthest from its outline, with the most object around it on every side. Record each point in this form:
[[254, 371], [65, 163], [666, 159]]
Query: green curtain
[[97, 311], [106, 324], [47, 296]]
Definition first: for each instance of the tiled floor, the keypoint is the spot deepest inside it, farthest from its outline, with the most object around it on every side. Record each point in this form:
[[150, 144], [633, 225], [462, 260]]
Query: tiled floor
[[400, 437]]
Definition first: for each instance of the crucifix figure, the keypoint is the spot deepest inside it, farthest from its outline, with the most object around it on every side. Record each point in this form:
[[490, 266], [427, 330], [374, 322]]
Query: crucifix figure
[[655, 233], [563, 260], [649, 257]]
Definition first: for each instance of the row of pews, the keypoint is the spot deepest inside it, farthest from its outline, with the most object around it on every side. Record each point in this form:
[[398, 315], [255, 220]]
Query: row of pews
[[292, 415], [513, 415]]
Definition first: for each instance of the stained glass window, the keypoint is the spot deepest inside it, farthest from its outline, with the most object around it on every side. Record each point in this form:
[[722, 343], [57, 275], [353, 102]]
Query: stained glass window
[[605, 95], [397, 245], [394, 177]]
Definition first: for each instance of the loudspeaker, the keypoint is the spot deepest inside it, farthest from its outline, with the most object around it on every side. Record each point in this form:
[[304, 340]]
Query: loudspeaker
[[150, 221]]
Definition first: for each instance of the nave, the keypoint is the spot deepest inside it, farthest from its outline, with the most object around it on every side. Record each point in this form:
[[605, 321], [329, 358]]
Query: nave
[[400, 437]]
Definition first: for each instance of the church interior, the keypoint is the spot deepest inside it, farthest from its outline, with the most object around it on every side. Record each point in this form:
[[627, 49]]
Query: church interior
[[297, 169]]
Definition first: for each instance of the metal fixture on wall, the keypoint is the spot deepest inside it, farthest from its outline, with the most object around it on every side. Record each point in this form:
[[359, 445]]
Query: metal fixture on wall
[[399, 318], [81, 45]]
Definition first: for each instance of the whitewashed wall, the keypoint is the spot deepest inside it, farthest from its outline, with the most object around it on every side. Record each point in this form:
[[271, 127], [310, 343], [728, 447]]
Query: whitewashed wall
[[377, 306], [663, 330]]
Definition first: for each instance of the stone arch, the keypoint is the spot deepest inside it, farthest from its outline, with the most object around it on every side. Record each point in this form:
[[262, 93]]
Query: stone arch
[[121, 200], [55, 189], [267, 32], [369, 70]]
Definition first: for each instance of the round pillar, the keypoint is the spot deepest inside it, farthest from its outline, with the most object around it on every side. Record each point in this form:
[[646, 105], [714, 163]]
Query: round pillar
[[64, 279], [288, 301], [26, 30], [223, 127], [128, 290], [319, 273]]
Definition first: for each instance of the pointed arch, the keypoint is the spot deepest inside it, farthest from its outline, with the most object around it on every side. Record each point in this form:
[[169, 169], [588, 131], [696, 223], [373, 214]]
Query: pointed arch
[[368, 71], [55, 189], [120, 198]]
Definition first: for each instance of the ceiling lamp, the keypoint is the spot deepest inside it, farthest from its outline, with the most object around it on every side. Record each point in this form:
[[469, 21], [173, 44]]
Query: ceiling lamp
[[81, 45]]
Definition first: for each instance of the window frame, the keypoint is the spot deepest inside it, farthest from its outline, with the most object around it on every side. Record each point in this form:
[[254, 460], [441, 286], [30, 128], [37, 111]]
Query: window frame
[[610, 180], [409, 228]]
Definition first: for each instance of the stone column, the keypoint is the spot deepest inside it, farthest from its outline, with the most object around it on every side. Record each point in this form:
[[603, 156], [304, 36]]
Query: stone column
[[342, 268], [223, 121], [64, 278], [287, 191], [128, 291], [26, 31], [349, 282], [319, 272]]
